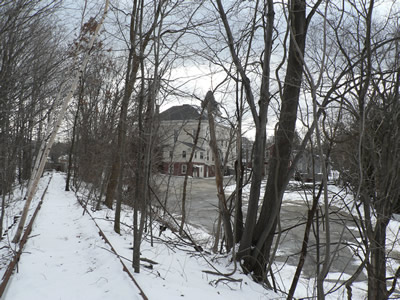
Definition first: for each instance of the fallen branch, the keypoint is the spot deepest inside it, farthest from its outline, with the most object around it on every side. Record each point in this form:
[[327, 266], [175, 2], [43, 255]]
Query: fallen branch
[[197, 247], [216, 282]]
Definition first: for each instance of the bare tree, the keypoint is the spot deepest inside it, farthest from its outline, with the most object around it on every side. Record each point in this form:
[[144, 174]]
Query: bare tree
[[30, 58], [260, 117], [223, 205], [52, 129], [263, 234], [139, 38]]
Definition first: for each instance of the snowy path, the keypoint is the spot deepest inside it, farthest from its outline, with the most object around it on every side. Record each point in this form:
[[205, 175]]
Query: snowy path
[[65, 258]]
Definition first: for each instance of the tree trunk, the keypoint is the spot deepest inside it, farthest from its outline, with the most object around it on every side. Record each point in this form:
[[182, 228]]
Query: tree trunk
[[189, 170], [121, 137], [239, 224], [118, 206], [279, 162], [134, 61], [130, 79], [139, 187], [144, 158], [376, 267], [304, 247], [69, 170], [258, 160], [225, 214]]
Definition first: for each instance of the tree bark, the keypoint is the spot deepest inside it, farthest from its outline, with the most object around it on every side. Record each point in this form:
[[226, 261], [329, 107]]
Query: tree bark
[[376, 268], [219, 179], [280, 159], [130, 79], [260, 120], [304, 247], [73, 138], [189, 170]]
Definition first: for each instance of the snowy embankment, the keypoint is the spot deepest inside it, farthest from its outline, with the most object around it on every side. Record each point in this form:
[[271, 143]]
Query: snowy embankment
[[347, 248], [65, 258]]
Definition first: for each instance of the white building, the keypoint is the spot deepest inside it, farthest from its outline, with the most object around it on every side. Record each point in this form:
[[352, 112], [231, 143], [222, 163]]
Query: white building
[[178, 128]]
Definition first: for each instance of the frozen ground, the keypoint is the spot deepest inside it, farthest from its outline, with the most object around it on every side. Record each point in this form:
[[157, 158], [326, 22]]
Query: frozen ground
[[202, 210], [65, 258]]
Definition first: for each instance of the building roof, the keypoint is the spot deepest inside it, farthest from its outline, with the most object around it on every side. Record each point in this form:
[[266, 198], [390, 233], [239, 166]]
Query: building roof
[[182, 112]]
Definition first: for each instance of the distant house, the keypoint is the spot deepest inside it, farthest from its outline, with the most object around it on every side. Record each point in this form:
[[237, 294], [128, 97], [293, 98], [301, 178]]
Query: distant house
[[247, 149], [309, 167], [178, 127]]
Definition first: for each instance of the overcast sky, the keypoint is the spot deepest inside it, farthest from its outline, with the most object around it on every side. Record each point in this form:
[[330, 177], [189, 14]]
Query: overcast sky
[[194, 75]]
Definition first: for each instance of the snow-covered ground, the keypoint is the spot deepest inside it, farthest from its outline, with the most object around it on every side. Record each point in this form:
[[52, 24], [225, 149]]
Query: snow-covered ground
[[65, 258], [346, 249]]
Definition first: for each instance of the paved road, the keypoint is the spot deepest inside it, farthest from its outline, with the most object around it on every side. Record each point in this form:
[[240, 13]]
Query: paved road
[[202, 211]]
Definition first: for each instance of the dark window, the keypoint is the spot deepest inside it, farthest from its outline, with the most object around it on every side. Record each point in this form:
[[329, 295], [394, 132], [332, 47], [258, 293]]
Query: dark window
[[201, 155], [176, 134], [183, 169], [183, 154]]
